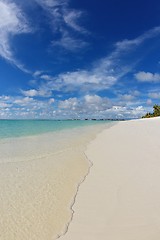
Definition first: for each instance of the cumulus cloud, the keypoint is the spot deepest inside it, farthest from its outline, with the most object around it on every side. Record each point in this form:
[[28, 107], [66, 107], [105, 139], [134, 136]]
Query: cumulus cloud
[[88, 106], [23, 101], [42, 92], [30, 93], [82, 80], [102, 75], [93, 99], [25, 107], [12, 23], [69, 104], [147, 77], [95, 102], [129, 97], [94, 106], [125, 112]]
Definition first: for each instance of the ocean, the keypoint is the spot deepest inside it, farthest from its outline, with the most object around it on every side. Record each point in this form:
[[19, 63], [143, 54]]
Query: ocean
[[21, 128]]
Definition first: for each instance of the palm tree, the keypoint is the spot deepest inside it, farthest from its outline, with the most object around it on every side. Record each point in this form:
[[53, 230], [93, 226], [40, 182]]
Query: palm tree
[[156, 112]]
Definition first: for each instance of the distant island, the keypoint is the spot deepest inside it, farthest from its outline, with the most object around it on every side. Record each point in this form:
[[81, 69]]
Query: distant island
[[156, 112]]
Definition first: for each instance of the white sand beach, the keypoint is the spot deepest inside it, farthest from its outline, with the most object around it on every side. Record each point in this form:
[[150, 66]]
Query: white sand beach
[[40, 197], [120, 199]]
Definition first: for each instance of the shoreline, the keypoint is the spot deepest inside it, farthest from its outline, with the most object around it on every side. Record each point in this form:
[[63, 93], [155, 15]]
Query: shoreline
[[39, 189], [71, 207], [122, 208]]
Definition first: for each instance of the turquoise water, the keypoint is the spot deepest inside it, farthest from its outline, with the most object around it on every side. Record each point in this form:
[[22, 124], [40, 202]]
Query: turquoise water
[[19, 128]]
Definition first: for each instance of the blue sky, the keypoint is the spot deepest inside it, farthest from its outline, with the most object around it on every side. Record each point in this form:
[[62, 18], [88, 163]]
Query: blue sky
[[79, 59]]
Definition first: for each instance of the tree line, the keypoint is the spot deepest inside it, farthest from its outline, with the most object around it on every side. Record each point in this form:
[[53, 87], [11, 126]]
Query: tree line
[[156, 112]]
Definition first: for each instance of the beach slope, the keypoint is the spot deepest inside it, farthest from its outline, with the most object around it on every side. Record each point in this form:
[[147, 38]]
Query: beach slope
[[120, 199]]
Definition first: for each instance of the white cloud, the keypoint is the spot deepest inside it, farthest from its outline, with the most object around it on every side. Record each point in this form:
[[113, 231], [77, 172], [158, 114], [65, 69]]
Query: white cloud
[[101, 76], [69, 43], [4, 98], [12, 23], [71, 18], [30, 93], [147, 77], [42, 92], [127, 97], [4, 105], [51, 100], [125, 112], [154, 95], [87, 77], [93, 80], [51, 3], [105, 72], [37, 73], [96, 103], [93, 99], [130, 96], [88, 106], [23, 101], [94, 106], [70, 103], [46, 77], [25, 107], [130, 99], [64, 21], [126, 44], [61, 14]]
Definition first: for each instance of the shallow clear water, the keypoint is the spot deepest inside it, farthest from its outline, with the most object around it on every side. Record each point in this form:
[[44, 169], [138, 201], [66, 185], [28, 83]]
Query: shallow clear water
[[40, 175], [19, 128]]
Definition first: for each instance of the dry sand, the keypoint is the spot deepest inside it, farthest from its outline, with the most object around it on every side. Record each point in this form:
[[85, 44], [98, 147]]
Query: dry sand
[[120, 199]]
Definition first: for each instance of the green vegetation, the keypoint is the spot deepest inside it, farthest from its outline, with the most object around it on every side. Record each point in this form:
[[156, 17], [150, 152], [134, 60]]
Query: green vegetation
[[156, 112]]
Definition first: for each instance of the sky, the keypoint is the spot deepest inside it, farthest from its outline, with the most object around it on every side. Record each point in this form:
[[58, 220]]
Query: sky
[[62, 59]]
